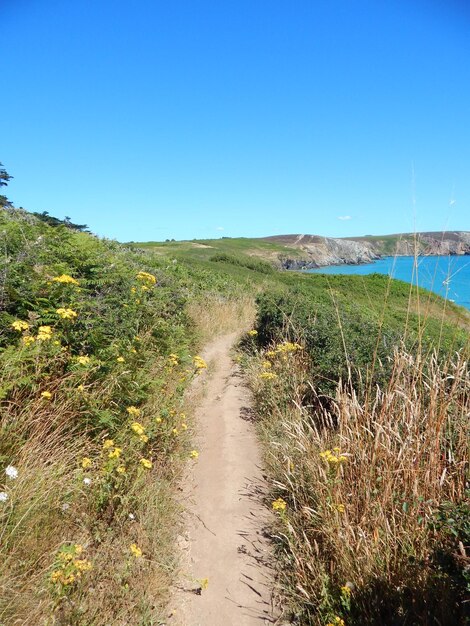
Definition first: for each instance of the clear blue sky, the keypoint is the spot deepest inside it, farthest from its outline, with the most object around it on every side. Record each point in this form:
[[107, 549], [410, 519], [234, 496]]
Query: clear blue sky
[[155, 119]]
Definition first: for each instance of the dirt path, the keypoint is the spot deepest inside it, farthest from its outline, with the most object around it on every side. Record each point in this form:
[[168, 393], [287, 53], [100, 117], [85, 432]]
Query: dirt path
[[224, 542]]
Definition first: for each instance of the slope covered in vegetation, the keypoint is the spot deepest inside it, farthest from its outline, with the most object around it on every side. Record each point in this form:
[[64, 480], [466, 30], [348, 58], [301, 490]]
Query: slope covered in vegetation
[[98, 343]]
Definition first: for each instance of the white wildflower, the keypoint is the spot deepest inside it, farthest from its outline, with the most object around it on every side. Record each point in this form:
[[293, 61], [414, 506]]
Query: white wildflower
[[87, 481], [11, 472], [131, 517], [3, 496]]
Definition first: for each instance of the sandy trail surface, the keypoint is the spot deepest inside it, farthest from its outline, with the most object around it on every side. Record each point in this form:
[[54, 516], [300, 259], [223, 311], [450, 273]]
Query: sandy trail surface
[[224, 540]]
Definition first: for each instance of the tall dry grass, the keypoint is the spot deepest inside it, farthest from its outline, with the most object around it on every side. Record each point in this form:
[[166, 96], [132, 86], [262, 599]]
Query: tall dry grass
[[216, 315], [364, 482]]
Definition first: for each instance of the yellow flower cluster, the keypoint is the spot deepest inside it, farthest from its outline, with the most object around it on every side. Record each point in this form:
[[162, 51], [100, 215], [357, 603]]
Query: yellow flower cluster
[[146, 463], [69, 569], [287, 346], [135, 550], [28, 339], [115, 453], [346, 591], [86, 462], [173, 358], [133, 411], [83, 360], [268, 376], [337, 621], [194, 454], [333, 459], [66, 314], [44, 333], [47, 395], [107, 444], [279, 505], [145, 277], [140, 431], [252, 333], [267, 365], [20, 325], [340, 508], [137, 428], [120, 359], [199, 363], [65, 279]]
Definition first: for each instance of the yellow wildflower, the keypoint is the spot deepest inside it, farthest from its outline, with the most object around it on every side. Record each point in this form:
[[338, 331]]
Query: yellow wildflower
[[346, 591], [44, 333], [137, 428], [86, 462], [267, 365], [268, 376], [252, 333], [333, 459], [175, 431], [145, 277], [287, 346], [56, 576], [173, 358], [83, 565], [65, 279], [121, 469], [80, 388], [279, 505], [47, 395], [108, 443], [66, 314], [146, 463], [158, 420], [83, 360], [194, 454], [340, 508], [337, 621], [133, 410], [271, 354], [120, 359], [136, 551], [144, 438], [28, 339], [184, 426], [199, 363], [115, 454], [19, 325]]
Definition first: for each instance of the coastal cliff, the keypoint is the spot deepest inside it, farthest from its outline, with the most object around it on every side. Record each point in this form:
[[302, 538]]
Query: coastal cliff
[[310, 251]]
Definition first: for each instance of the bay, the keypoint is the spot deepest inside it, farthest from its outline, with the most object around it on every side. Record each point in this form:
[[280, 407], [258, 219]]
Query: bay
[[448, 276]]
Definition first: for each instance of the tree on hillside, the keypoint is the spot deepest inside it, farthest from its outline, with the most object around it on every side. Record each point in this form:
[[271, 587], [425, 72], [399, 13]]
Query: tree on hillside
[[4, 178], [55, 221]]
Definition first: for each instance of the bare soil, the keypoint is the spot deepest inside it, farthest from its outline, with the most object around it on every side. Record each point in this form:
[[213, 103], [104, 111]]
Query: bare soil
[[224, 541]]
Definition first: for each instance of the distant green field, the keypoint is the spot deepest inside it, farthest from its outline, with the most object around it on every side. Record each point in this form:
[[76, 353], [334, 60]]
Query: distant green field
[[205, 248]]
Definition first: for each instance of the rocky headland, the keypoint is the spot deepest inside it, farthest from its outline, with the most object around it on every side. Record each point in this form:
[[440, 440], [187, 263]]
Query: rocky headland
[[310, 251]]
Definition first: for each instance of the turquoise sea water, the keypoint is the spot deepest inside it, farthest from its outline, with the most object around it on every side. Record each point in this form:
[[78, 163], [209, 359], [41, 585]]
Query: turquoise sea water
[[449, 276]]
